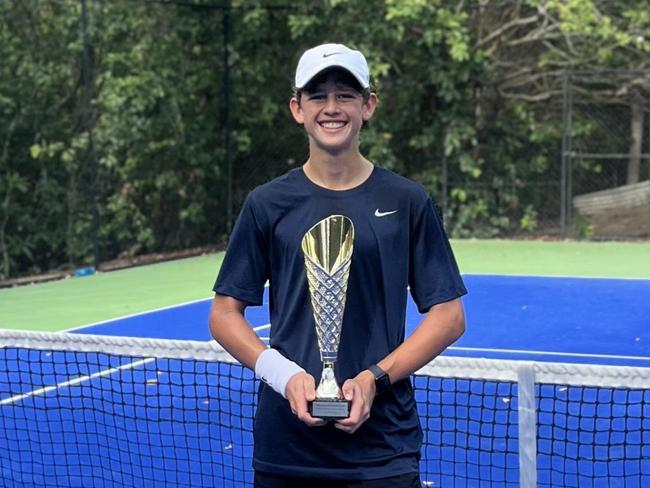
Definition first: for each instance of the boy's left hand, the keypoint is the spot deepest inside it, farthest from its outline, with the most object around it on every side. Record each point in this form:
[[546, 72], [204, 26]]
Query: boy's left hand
[[360, 392]]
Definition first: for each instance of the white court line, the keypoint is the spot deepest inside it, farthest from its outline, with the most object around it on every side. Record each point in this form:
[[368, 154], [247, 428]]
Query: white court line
[[75, 381], [514, 275], [517, 351], [548, 353], [137, 314], [263, 327]]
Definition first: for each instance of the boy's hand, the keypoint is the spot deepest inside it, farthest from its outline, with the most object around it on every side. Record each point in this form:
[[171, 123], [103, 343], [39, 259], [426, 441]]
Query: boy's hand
[[300, 390], [360, 391]]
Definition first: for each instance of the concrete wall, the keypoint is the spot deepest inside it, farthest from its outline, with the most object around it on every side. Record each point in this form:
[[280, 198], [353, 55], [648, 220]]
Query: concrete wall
[[618, 212]]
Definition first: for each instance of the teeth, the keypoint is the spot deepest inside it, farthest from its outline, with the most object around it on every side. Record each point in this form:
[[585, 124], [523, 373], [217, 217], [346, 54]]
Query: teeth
[[332, 125]]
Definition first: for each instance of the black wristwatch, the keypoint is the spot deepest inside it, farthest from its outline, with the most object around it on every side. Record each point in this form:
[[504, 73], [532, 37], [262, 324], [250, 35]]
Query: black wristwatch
[[382, 380]]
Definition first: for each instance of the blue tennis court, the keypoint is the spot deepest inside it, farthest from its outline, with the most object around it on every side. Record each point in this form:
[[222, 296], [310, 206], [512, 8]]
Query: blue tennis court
[[104, 419], [580, 320]]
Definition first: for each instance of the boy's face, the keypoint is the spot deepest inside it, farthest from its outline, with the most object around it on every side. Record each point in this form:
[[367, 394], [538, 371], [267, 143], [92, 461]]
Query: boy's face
[[332, 111]]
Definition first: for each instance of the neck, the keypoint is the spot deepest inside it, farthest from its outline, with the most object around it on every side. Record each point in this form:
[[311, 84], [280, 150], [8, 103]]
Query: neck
[[341, 171]]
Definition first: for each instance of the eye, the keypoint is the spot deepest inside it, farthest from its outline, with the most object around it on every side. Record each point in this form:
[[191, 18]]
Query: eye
[[346, 96], [317, 96]]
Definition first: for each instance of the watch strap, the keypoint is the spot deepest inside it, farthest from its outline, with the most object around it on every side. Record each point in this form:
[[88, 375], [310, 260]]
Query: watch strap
[[382, 380]]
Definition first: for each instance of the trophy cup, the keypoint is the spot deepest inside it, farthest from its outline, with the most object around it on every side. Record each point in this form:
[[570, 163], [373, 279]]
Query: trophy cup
[[327, 247]]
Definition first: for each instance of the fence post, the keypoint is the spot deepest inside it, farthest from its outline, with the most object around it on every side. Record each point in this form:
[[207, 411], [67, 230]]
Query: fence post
[[88, 126], [225, 19], [565, 177]]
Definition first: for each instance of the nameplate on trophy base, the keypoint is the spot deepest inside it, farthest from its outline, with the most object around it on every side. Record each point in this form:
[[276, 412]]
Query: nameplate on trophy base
[[329, 409]]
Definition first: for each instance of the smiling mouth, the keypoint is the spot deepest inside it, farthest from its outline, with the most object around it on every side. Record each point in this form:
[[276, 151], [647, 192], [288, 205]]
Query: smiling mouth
[[332, 124]]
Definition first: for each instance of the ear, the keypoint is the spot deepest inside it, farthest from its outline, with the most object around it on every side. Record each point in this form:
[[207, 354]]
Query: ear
[[369, 106], [296, 110]]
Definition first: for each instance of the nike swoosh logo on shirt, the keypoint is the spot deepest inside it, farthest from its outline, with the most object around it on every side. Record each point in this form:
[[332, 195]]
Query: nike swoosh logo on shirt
[[383, 214]]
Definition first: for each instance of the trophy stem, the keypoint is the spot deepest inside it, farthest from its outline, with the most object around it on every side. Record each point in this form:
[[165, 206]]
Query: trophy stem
[[328, 387]]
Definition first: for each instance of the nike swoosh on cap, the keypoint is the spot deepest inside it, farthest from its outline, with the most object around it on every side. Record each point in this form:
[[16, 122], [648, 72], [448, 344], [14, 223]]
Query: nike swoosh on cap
[[383, 214], [327, 55]]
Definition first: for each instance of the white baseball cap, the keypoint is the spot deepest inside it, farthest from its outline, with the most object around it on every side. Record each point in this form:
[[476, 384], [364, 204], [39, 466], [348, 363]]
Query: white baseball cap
[[319, 58]]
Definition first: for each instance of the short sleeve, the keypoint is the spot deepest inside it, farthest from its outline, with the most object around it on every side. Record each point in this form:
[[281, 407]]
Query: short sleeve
[[433, 273], [245, 268]]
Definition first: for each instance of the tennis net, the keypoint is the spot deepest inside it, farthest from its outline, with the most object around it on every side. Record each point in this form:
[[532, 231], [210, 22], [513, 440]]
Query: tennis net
[[95, 411]]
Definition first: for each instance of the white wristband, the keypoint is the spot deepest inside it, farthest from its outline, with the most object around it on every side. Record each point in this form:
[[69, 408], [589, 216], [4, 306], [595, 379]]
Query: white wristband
[[275, 370]]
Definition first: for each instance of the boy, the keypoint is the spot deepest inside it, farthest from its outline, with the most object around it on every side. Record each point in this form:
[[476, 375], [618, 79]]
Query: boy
[[399, 242]]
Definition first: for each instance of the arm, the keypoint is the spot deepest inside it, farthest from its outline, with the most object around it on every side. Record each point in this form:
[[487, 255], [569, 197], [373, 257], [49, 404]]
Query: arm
[[231, 329], [440, 327]]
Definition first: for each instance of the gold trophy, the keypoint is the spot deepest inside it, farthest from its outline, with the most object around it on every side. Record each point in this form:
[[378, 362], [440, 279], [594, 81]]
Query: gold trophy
[[327, 247]]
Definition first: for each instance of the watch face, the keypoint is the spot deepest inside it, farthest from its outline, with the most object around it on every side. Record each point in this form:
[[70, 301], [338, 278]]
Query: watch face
[[383, 385]]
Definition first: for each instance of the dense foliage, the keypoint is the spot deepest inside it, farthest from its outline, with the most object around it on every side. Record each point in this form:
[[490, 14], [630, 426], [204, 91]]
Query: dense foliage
[[471, 106]]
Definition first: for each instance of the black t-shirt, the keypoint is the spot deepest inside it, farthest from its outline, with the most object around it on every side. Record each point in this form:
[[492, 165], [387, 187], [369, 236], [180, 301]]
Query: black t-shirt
[[399, 243]]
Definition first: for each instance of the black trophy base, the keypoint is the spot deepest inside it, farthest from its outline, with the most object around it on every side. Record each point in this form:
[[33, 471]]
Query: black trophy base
[[329, 409]]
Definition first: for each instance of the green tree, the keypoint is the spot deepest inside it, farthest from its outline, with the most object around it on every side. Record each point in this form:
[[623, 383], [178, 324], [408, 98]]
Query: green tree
[[470, 106], [39, 83]]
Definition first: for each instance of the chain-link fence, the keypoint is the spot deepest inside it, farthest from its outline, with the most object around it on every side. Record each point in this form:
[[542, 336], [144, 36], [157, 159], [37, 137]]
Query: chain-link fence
[[606, 153]]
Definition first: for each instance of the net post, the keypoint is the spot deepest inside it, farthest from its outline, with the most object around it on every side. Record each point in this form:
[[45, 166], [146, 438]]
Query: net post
[[527, 426]]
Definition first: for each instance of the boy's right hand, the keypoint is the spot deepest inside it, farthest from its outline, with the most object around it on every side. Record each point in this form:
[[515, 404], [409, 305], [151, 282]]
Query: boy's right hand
[[300, 390]]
